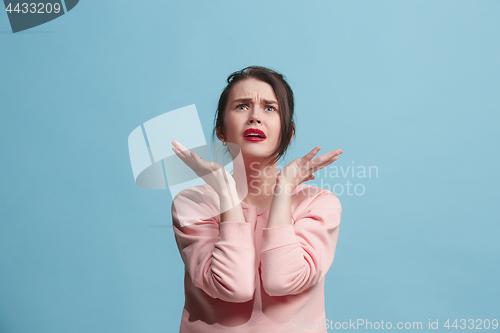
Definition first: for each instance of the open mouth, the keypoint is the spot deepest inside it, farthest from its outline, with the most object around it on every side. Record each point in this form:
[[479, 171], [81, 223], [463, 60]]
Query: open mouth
[[253, 134]]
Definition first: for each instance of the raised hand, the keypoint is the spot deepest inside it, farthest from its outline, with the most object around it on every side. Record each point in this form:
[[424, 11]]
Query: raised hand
[[212, 173], [302, 169]]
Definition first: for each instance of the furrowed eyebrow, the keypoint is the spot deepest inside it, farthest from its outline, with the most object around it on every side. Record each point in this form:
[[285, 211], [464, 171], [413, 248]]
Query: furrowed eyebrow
[[248, 100], [269, 102]]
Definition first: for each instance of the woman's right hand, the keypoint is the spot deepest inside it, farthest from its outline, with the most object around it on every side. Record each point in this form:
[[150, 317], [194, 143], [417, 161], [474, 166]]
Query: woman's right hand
[[212, 173]]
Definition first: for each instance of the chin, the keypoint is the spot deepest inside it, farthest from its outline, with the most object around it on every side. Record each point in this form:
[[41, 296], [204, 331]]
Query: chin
[[255, 155], [254, 151]]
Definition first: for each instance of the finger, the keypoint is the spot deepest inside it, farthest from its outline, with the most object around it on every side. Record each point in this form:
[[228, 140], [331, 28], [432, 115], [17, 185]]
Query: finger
[[332, 153], [179, 146], [310, 155], [198, 162], [328, 157], [323, 163], [202, 163], [311, 177], [180, 155], [183, 150], [197, 158], [177, 143]]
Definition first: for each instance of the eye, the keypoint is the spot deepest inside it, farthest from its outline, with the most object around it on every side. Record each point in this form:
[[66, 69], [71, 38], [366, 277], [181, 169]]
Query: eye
[[240, 106], [271, 107]]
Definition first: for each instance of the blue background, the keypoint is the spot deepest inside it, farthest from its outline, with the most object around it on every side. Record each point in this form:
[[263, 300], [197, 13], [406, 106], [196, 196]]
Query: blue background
[[411, 87]]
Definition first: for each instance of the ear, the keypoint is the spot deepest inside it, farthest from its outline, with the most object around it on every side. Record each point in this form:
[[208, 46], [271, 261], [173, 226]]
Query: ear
[[220, 136], [293, 133]]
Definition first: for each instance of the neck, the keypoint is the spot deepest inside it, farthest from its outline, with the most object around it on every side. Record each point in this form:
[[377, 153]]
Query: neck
[[261, 179]]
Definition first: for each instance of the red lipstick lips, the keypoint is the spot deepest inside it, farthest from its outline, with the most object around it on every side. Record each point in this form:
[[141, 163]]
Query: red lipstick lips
[[253, 134]]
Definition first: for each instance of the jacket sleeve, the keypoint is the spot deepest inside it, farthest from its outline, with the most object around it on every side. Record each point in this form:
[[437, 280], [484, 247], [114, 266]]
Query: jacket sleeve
[[219, 257], [296, 257]]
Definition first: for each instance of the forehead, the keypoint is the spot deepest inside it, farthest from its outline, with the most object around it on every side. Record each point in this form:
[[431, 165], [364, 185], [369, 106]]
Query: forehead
[[252, 88]]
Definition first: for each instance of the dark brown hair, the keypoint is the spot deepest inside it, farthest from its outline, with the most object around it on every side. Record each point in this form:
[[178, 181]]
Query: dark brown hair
[[283, 93]]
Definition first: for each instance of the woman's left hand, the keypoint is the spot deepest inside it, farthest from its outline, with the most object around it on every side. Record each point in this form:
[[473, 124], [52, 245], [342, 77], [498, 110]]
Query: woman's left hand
[[302, 169]]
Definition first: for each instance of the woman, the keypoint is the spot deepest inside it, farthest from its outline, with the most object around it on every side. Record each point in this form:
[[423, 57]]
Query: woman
[[257, 265]]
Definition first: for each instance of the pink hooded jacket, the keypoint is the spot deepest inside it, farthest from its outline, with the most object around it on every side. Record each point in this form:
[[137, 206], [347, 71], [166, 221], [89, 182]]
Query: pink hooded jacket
[[245, 277]]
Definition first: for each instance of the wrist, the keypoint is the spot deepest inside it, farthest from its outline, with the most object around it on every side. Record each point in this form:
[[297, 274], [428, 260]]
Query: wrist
[[227, 192], [283, 182], [283, 187], [228, 200]]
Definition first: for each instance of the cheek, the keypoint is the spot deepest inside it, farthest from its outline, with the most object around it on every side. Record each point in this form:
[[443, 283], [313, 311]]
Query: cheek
[[227, 125], [229, 119], [230, 129], [233, 123], [277, 129]]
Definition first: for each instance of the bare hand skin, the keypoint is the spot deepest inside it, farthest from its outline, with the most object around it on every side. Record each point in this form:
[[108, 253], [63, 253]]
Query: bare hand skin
[[212, 173], [218, 178], [302, 169], [292, 175]]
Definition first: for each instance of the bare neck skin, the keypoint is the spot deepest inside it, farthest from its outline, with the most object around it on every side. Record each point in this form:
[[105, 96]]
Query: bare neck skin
[[261, 179]]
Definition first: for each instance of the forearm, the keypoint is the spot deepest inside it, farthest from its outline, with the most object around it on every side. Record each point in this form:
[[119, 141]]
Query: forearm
[[230, 206], [281, 209], [296, 257]]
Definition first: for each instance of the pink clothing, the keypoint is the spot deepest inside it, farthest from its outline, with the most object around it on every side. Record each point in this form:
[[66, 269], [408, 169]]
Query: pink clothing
[[245, 277]]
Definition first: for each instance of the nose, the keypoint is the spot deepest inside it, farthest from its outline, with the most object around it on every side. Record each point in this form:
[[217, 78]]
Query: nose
[[254, 117]]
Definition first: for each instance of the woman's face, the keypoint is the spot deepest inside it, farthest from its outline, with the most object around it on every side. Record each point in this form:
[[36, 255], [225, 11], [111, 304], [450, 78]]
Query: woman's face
[[253, 106]]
